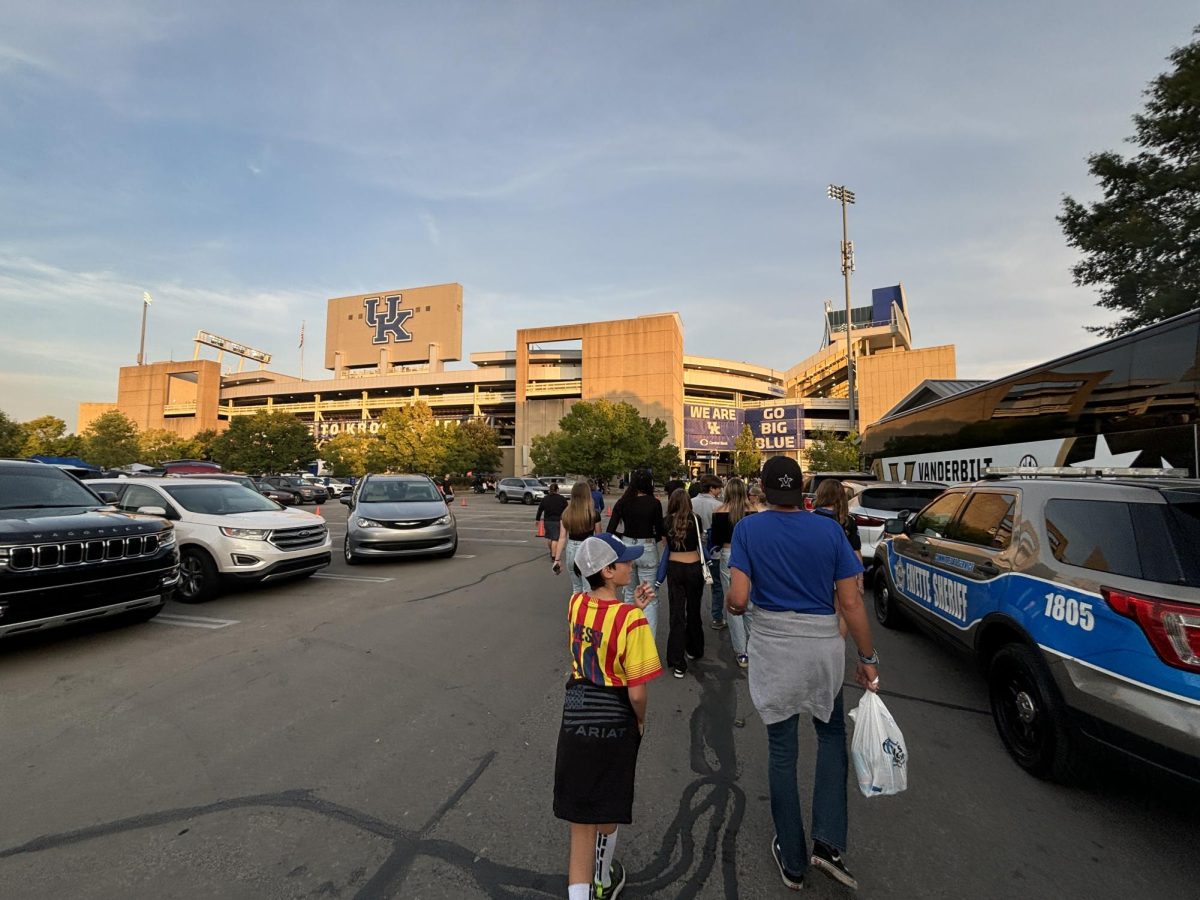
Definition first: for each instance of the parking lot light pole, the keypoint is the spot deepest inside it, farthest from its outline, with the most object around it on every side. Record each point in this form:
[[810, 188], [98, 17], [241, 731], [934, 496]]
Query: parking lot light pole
[[846, 196], [146, 301]]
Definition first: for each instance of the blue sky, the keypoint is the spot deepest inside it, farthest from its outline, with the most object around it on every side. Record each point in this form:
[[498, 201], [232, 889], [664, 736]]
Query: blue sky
[[565, 161]]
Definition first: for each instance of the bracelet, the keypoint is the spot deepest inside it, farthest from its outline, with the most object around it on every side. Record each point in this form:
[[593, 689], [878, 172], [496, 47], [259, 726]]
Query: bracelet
[[872, 660]]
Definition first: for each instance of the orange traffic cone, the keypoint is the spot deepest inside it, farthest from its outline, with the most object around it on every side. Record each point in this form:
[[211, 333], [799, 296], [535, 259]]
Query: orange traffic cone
[[318, 510], [608, 511], [541, 528], [462, 502]]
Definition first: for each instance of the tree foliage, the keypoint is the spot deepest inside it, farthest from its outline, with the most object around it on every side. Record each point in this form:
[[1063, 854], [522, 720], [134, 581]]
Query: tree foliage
[[1141, 242], [111, 440], [265, 442], [747, 458], [826, 452], [410, 440], [43, 436], [157, 445], [603, 438], [12, 436], [350, 454], [471, 447]]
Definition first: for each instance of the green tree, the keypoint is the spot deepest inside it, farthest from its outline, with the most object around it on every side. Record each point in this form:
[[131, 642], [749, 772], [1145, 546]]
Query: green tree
[[199, 446], [1141, 242], [826, 452], [472, 447], [603, 438], [663, 461], [41, 434], [411, 440], [350, 454], [12, 436], [111, 440], [157, 445], [545, 450], [747, 458], [265, 442]]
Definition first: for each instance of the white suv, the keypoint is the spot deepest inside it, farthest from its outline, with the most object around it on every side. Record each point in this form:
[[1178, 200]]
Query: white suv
[[226, 530]]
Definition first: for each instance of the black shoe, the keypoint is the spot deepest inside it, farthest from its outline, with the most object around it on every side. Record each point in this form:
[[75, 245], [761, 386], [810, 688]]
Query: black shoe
[[790, 881], [678, 672], [831, 863], [616, 881], [718, 624]]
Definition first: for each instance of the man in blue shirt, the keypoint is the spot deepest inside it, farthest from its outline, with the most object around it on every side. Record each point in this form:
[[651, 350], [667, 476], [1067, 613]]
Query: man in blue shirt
[[799, 572]]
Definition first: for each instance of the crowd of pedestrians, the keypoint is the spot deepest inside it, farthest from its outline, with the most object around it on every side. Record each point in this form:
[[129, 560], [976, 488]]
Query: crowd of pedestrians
[[796, 575]]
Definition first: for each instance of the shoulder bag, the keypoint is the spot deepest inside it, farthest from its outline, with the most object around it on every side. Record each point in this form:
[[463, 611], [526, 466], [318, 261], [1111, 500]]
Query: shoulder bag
[[700, 547]]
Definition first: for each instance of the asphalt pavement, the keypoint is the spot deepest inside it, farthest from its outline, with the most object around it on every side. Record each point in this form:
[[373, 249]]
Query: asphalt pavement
[[388, 730]]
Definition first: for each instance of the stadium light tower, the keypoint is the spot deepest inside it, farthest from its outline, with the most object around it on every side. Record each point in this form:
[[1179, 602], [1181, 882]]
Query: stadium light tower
[[845, 196], [146, 301]]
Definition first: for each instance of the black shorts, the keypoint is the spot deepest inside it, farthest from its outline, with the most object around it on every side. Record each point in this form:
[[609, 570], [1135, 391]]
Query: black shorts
[[598, 745]]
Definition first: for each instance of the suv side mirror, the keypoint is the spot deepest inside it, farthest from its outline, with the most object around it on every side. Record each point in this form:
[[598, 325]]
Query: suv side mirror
[[153, 511], [347, 501], [895, 526], [107, 496]]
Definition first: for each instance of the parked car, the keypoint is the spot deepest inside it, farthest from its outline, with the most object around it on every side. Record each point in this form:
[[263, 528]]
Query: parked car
[[228, 532], [527, 490], [189, 467], [334, 486], [873, 503], [813, 480], [560, 480], [1079, 597], [398, 515], [282, 496], [305, 493], [67, 556]]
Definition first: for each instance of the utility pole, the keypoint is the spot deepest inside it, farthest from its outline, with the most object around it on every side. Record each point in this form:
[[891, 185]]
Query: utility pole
[[146, 301], [846, 197]]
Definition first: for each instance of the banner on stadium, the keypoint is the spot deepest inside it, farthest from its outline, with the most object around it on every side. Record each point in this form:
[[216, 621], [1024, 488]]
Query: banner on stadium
[[776, 428]]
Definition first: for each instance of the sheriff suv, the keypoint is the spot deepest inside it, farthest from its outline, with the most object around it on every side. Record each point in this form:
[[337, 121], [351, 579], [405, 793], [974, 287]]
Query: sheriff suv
[[1078, 591], [67, 556]]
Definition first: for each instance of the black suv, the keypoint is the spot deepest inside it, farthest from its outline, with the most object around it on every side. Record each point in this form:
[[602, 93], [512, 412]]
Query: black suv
[[66, 557]]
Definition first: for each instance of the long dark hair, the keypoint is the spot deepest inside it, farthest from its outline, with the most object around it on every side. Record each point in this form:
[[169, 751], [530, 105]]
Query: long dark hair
[[831, 495], [679, 516]]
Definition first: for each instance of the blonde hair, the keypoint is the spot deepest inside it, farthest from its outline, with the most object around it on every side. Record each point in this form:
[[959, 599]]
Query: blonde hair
[[580, 512], [736, 499]]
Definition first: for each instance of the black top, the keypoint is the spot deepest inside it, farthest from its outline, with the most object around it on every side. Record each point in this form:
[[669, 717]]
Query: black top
[[551, 508], [849, 526], [671, 486], [691, 540], [722, 529], [641, 515], [593, 518]]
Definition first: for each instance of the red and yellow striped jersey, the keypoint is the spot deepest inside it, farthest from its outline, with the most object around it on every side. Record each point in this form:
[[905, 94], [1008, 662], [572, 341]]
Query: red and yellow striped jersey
[[611, 644]]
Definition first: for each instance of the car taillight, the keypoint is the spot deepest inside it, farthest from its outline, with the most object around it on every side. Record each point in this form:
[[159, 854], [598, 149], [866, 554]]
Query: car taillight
[[860, 520], [1173, 628]]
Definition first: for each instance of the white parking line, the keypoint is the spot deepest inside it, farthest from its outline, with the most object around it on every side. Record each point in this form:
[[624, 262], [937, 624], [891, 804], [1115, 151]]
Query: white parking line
[[464, 556], [193, 621], [484, 528], [493, 541], [369, 578]]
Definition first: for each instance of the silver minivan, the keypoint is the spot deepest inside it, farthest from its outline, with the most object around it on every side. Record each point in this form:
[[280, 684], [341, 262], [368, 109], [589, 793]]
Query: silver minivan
[[398, 515]]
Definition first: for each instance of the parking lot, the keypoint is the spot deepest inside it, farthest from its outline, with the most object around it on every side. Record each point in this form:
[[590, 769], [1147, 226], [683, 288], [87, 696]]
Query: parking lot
[[388, 730]]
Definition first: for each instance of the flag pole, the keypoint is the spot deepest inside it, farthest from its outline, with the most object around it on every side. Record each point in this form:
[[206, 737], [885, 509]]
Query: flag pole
[[302, 349]]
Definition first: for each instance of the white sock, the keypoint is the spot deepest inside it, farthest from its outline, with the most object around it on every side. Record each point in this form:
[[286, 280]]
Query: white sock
[[606, 848], [579, 892]]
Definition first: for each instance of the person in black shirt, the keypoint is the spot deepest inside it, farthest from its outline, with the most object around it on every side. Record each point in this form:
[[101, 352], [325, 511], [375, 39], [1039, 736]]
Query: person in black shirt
[[673, 485], [637, 519], [551, 510], [685, 583]]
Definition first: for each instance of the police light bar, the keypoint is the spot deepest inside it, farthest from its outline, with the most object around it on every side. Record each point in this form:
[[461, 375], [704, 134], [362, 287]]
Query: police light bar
[[1080, 472], [212, 340]]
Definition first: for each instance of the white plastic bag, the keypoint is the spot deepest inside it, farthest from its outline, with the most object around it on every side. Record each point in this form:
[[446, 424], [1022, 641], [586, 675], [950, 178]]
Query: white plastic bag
[[878, 748]]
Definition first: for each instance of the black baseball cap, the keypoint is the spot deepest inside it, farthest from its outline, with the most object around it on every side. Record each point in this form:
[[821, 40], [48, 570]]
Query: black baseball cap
[[782, 481]]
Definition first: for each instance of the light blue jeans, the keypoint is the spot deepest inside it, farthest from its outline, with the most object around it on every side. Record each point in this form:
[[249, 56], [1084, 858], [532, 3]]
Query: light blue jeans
[[739, 626], [645, 568], [577, 582]]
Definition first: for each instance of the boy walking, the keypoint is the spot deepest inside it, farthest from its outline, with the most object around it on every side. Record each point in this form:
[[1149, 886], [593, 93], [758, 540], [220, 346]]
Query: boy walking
[[604, 714]]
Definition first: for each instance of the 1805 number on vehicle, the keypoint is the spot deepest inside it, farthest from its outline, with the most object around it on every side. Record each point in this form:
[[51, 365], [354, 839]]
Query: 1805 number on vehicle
[[1076, 613]]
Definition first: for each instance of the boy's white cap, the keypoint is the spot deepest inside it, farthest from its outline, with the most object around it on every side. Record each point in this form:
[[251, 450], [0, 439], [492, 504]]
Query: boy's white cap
[[603, 550]]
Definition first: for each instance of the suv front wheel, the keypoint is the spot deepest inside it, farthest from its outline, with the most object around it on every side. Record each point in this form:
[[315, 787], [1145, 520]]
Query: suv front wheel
[[197, 576], [527, 499], [1029, 715]]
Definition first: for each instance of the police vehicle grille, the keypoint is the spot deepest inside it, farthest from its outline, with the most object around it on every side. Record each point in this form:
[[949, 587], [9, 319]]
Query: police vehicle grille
[[74, 553], [298, 538]]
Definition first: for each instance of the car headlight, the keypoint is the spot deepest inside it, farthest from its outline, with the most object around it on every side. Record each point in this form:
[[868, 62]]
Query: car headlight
[[367, 523], [445, 520], [167, 538], [246, 534]]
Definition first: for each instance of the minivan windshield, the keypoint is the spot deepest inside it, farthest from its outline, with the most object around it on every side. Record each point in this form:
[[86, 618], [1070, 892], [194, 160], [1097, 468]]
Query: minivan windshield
[[220, 499], [377, 491]]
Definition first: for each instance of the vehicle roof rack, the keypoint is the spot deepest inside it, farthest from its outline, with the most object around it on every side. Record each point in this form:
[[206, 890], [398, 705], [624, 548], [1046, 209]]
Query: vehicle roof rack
[[992, 472]]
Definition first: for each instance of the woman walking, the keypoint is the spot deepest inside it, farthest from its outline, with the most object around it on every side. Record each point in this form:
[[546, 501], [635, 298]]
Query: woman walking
[[637, 520], [579, 522], [735, 508], [685, 583]]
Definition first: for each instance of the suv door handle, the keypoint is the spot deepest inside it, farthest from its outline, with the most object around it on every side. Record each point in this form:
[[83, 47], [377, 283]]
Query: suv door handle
[[987, 568]]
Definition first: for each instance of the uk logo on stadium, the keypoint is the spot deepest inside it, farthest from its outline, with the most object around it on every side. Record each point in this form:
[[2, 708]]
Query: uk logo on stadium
[[389, 327]]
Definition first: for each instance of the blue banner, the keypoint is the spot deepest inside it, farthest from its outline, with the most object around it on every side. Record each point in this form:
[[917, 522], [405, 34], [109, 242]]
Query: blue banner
[[778, 427], [710, 427]]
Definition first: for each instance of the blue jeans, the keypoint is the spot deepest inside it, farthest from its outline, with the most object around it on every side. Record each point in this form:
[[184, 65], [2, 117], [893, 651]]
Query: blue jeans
[[829, 788], [718, 592], [645, 568], [577, 582], [739, 626]]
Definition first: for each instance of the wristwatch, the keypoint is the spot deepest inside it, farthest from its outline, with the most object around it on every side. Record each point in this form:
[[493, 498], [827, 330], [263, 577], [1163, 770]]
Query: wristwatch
[[872, 660]]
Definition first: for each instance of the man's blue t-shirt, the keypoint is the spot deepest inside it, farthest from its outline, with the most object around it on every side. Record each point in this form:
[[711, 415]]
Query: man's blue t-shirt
[[792, 560]]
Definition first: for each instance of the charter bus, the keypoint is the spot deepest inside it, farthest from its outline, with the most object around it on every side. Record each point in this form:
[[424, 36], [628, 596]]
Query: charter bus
[[1131, 401]]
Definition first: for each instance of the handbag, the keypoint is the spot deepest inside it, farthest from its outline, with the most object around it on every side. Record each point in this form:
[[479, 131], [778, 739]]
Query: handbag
[[700, 546]]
